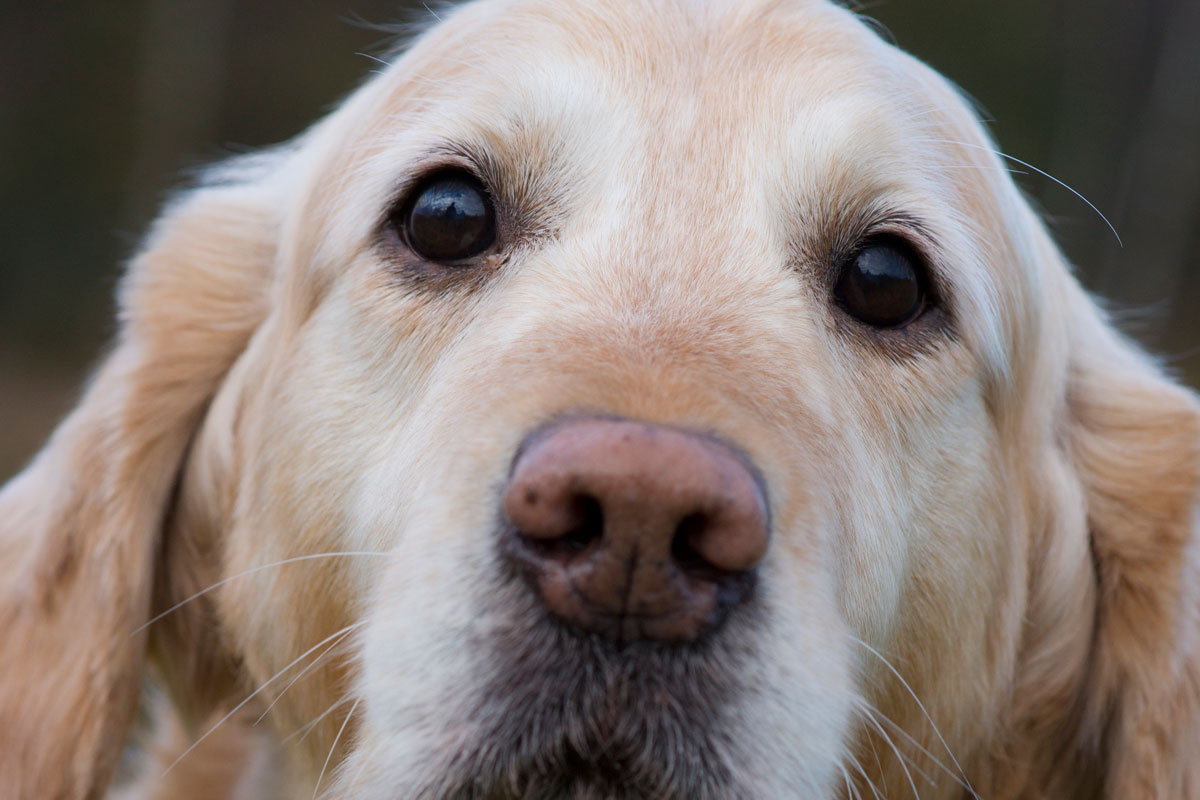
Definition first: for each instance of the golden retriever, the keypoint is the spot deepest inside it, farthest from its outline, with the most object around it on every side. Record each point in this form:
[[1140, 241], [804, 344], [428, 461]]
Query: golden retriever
[[615, 399]]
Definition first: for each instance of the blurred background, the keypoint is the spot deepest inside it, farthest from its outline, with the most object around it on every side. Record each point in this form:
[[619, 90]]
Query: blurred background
[[105, 105]]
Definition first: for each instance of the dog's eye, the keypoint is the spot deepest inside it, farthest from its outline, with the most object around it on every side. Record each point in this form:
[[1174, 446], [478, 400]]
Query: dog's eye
[[882, 285], [450, 218]]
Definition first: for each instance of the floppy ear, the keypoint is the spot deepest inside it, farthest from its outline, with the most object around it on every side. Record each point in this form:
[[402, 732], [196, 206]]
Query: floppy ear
[[1135, 440], [79, 528]]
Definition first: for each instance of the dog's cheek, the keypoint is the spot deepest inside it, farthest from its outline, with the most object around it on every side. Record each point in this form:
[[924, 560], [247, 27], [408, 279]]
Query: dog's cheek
[[930, 552], [300, 569]]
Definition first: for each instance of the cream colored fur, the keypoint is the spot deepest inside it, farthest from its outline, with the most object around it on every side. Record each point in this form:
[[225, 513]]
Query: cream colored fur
[[983, 572]]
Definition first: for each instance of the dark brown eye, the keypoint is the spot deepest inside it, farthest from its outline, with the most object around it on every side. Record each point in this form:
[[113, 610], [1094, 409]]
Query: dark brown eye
[[450, 218], [882, 285]]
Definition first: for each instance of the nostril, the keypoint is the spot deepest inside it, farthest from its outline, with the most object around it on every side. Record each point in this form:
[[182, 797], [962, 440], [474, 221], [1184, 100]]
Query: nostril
[[586, 526], [589, 526], [684, 552]]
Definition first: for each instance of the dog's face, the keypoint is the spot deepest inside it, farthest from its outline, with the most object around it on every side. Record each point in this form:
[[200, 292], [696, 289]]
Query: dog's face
[[698, 411]]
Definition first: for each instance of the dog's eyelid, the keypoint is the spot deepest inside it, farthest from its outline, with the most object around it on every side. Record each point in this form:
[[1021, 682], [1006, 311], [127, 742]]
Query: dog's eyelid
[[445, 158], [906, 228]]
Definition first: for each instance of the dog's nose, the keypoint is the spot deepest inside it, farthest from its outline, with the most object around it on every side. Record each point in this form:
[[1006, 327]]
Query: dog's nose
[[633, 530]]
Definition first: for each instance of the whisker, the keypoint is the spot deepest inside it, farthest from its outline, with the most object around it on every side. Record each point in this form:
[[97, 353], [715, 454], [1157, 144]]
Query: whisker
[[256, 692], [376, 59], [1041, 172], [301, 674], [867, 708], [904, 762], [305, 730], [937, 732], [983, 168], [252, 571], [870, 783], [875, 753], [333, 747], [432, 13], [851, 792]]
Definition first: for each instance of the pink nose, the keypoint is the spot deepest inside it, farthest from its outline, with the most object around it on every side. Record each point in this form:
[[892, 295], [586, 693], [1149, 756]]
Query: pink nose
[[632, 530]]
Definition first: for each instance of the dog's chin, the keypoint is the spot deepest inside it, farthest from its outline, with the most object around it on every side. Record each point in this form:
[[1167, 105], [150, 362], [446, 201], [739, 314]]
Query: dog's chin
[[575, 716]]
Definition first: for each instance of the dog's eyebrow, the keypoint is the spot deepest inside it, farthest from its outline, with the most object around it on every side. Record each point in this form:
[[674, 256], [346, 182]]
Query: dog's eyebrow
[[483, 159]]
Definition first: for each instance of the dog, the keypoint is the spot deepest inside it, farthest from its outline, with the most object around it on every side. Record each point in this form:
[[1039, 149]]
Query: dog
[[613, 399]]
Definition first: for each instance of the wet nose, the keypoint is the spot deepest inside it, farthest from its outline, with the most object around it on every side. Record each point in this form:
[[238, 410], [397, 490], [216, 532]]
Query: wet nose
[[632, 530]]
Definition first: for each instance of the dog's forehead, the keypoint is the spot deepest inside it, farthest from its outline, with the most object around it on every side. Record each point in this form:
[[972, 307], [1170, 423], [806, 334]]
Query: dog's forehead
[[754, 101], [680, 66]]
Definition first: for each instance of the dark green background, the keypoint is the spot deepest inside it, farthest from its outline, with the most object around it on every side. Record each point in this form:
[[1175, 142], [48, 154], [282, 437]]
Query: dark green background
[[104, 105]]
